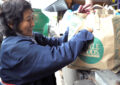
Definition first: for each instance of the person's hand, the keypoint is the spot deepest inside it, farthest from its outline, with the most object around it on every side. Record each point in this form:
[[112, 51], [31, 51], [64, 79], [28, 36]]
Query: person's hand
[[89, 29], [85, 8]]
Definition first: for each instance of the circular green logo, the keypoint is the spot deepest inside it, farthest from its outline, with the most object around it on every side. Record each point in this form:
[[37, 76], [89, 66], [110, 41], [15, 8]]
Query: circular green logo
[[94, 54]]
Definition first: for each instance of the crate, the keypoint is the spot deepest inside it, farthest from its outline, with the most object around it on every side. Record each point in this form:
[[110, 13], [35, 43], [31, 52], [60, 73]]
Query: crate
[[41, 22]]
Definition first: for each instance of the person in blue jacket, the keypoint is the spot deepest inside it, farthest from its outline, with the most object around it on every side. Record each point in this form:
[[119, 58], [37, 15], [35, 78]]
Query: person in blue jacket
[[28, 58]]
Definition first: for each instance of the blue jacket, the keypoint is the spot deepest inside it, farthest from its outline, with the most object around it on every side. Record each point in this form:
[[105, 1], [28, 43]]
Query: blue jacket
[[25, 61]]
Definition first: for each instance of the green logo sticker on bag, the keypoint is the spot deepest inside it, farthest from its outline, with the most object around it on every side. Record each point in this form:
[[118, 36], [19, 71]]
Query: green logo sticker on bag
[[95, 52]]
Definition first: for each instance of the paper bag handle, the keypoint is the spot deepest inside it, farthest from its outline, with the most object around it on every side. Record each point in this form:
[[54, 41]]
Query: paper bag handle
[[102, 10], [97, 7]]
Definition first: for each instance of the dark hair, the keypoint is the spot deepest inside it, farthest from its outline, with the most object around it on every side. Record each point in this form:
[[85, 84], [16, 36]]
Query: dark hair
[[12, 13]]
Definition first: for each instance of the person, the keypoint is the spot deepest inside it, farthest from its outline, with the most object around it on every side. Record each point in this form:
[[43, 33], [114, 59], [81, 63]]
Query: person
[[28, 58], [81, 2], [87, 7]]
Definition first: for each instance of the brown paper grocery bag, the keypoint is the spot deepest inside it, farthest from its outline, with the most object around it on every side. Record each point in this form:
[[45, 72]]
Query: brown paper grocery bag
[[104, 52]]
